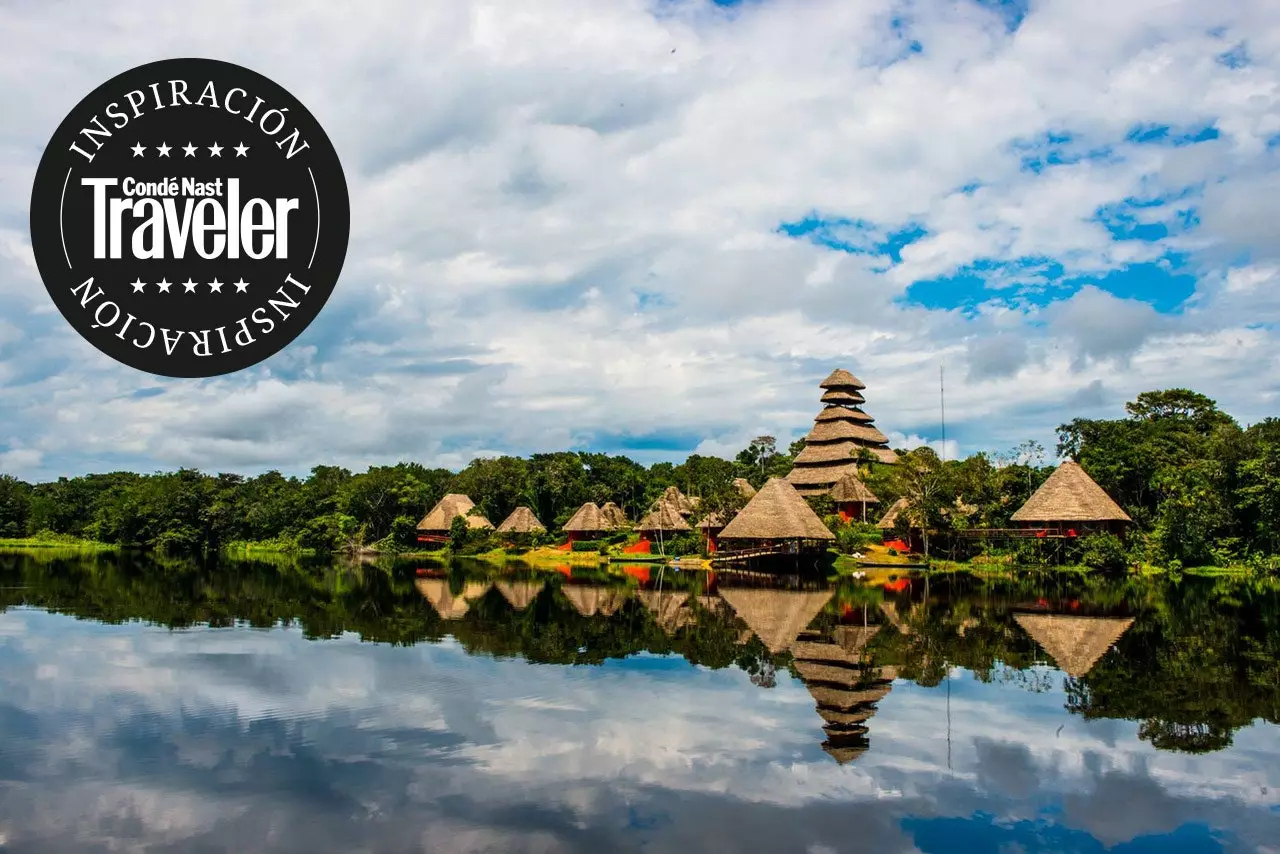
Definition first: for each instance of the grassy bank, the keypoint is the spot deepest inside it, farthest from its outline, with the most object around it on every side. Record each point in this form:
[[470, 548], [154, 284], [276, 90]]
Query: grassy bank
[[50, 540], [245, 548]]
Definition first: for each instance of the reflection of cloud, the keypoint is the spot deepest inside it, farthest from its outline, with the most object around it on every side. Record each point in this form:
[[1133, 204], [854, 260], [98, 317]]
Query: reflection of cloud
[[214, 737]]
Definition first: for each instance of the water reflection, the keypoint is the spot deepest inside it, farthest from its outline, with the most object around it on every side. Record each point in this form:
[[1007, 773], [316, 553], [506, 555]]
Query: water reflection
[[600, 711]]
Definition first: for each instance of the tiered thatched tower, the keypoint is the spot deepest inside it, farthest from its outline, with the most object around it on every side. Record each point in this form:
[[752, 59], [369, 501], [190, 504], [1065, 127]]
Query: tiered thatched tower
[[839, 432]]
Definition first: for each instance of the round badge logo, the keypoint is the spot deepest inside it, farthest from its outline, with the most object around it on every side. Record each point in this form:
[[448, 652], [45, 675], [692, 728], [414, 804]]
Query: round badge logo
[[190, 218]]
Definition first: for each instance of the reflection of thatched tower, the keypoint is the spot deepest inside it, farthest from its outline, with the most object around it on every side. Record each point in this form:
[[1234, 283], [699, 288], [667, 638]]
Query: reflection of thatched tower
[[592, 599], [1074, 643], [839, 432], [436, 591], [521, 521], [520, 593], [440, 518], [777, 617], [776, 514], [1071, 499], [670, 608]]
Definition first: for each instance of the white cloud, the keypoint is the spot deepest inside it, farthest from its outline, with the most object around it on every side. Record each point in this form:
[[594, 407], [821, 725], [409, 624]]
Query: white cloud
[[564, 222]]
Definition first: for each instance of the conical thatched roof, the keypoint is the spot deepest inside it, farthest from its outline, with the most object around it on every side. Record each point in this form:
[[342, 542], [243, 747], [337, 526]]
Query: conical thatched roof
[[1070, 495], [436, 591], [890, 611], [670, 608], [814, 671], [1074, 643], [589, 519], [843, 413], [521, 521], [777, 617], [840, 378], [821, 476], [844, 398], [851, 489], [744, 487], [664, 517], [520, 593], [843, 698], [890, 519], [838, 431], [592, 599], [677, 499], [710, 522], [776, 513], [441, 517], [854, 639], [615, 514], [831, 716]]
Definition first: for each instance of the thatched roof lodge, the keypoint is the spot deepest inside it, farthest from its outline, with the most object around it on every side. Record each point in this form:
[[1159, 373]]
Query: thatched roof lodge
[[677, 499], [890, 519], [615, 514], [521, 521], [664, 520], [440, 518], [1071, 499], [777, 514], [1074, 643], [840, 432], [588, 523], [744, 487]]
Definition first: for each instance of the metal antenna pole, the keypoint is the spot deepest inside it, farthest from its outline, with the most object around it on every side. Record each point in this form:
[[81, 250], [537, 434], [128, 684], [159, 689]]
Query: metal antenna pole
[[942, 397]]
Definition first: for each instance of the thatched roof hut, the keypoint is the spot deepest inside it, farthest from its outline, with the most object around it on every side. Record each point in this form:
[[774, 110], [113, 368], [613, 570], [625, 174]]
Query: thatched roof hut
[[710, 522], [851, 490], [1074, 643], [520, 593], [615, 514], [589, 519], [677, 499], [777, 617], [664, 518], [842, 379], [521, 521], [439, 519], [592, 599], [776, 513], [744, 487], [1070, 495], [890, 519], [839, 431], [450, 607]]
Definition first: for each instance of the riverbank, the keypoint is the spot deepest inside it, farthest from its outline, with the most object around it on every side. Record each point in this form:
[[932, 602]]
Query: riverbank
[[46, 540]]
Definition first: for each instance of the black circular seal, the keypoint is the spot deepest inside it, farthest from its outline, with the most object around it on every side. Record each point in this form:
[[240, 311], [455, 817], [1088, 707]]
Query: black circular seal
[[190, 218]]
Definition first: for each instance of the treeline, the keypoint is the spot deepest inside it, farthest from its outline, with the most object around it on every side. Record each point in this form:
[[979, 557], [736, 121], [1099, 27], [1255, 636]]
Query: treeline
[[1201, 489]]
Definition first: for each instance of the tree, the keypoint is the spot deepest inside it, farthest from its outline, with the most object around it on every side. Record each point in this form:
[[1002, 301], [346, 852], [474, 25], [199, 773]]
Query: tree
[[15, 506], [918, 478]]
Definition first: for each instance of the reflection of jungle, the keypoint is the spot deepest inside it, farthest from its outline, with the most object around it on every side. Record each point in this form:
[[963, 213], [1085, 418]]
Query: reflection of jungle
[[1199, 660]]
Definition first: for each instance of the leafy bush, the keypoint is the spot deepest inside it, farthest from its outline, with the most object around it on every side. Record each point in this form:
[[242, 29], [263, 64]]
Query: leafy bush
[[1103, 551], [684, 544], [586, 546]]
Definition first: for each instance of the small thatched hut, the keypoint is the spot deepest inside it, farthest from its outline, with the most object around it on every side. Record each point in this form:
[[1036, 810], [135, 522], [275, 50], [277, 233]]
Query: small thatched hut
[[777, 515], [450, 607], [711, 525], [744, 487], [592, 599], [889, 521], [615, 514], [677, 499], [1074, 643], [852, 497], [588, 523], [1070, 502], [664, 521], [777, 617], [520, 593], [521, 521], [435, 525]]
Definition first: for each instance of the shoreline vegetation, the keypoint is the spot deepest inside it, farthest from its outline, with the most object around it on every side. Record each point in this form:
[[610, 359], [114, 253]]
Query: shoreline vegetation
[[1200, 492]]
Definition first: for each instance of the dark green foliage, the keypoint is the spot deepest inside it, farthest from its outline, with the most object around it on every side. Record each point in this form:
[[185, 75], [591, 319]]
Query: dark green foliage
[[587, 546], [1103, 551]]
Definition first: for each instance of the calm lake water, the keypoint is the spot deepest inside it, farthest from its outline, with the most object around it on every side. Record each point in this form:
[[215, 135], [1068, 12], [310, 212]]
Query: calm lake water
[[255, 706]]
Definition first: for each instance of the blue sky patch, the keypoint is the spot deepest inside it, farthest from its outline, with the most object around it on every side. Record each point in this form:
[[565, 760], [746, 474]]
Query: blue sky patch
[[981, 833], [1148, 134], [1012, 12], [1237, 57], [855, 236], [1057, 148]]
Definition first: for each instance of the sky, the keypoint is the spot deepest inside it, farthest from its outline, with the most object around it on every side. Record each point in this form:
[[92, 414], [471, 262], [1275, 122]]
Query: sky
[[651, 227], [124, 737]]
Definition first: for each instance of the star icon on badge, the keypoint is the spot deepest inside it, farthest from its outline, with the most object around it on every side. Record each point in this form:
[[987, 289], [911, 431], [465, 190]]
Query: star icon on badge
[[189, 149], [242, 287], [242, 150], [163, 285], [138, 150], [138, 285], [215, 287], [215, 150], [164, 149], [190, 286]]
